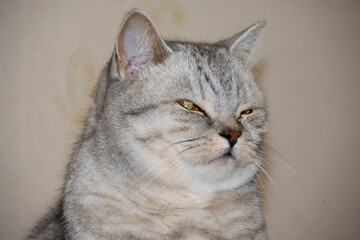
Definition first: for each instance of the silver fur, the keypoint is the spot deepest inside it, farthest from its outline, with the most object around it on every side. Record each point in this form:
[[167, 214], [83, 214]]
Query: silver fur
[[147, 168]]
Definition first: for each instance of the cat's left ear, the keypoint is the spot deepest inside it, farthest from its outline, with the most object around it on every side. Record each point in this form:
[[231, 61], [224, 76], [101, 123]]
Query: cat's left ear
[[242, 44], [138, 45]]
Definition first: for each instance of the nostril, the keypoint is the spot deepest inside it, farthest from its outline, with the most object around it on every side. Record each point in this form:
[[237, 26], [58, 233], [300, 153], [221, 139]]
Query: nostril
[[225, 135], [231, 137]]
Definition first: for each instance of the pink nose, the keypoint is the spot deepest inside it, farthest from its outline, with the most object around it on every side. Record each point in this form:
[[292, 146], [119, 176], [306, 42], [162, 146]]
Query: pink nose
[[231, 137]]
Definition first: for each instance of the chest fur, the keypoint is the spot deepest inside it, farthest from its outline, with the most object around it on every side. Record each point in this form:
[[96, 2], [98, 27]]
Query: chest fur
[[173, 216]]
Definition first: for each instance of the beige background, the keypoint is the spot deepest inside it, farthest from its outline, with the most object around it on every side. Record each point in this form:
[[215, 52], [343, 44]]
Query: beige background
[[52, 51]]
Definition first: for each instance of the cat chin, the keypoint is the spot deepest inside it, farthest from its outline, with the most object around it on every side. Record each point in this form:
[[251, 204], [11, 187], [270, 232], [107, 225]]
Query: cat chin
[[221, 174]]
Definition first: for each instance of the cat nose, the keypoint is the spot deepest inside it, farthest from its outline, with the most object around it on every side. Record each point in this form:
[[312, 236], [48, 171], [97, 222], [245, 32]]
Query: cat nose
[[231, 137]]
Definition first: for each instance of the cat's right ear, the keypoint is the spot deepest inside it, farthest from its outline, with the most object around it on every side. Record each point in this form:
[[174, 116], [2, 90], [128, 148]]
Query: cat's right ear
[[138, 45], [242, 44]]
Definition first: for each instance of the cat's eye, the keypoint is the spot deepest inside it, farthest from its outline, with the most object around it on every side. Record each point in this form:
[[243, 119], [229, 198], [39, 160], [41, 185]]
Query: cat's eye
[[189, 105], [246, 112]]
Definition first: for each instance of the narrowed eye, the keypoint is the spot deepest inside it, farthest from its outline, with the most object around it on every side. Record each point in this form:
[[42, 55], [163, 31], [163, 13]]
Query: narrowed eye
[[189, 105], [246, 112]]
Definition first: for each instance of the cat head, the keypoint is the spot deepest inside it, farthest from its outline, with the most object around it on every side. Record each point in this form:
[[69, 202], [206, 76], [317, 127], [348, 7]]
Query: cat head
[[185, 113]]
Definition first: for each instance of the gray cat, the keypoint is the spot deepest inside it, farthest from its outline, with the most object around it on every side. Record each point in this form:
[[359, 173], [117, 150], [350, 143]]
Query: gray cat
[[170, 149]]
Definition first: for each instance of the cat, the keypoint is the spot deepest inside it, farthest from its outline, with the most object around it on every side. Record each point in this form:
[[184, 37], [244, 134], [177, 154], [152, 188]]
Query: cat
[[170, 149]]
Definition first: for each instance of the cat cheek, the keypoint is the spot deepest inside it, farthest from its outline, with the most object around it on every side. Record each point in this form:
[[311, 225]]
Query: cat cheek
[[242, 152]]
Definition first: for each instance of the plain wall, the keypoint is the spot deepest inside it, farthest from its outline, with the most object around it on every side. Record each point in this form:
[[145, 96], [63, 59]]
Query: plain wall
[[51, 53]]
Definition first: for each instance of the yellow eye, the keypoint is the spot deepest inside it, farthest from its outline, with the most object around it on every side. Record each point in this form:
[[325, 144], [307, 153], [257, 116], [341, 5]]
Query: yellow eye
[[246, 112], [189, 105]]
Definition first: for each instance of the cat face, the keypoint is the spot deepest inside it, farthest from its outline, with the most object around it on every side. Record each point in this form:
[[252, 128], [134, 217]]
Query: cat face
[[188, 114]]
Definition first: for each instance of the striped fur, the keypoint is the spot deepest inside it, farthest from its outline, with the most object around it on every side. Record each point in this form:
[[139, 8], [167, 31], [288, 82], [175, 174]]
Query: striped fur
[[147, 168]]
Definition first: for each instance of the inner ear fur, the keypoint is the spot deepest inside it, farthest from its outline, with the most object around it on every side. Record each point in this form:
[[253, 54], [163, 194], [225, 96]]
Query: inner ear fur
[[138, 44]]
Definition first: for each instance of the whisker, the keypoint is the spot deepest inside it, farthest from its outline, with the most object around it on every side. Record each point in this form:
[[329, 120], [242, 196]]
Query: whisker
[[183, 141], [273, 169], [148, 171], [167, 160], [267, 174], [278, 161], [273, 149], [287, 165], [164, 162], [267, 51], [268, 198]]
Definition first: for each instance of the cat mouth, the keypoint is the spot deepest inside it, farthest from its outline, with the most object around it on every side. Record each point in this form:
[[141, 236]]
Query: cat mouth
[[226, 156]]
